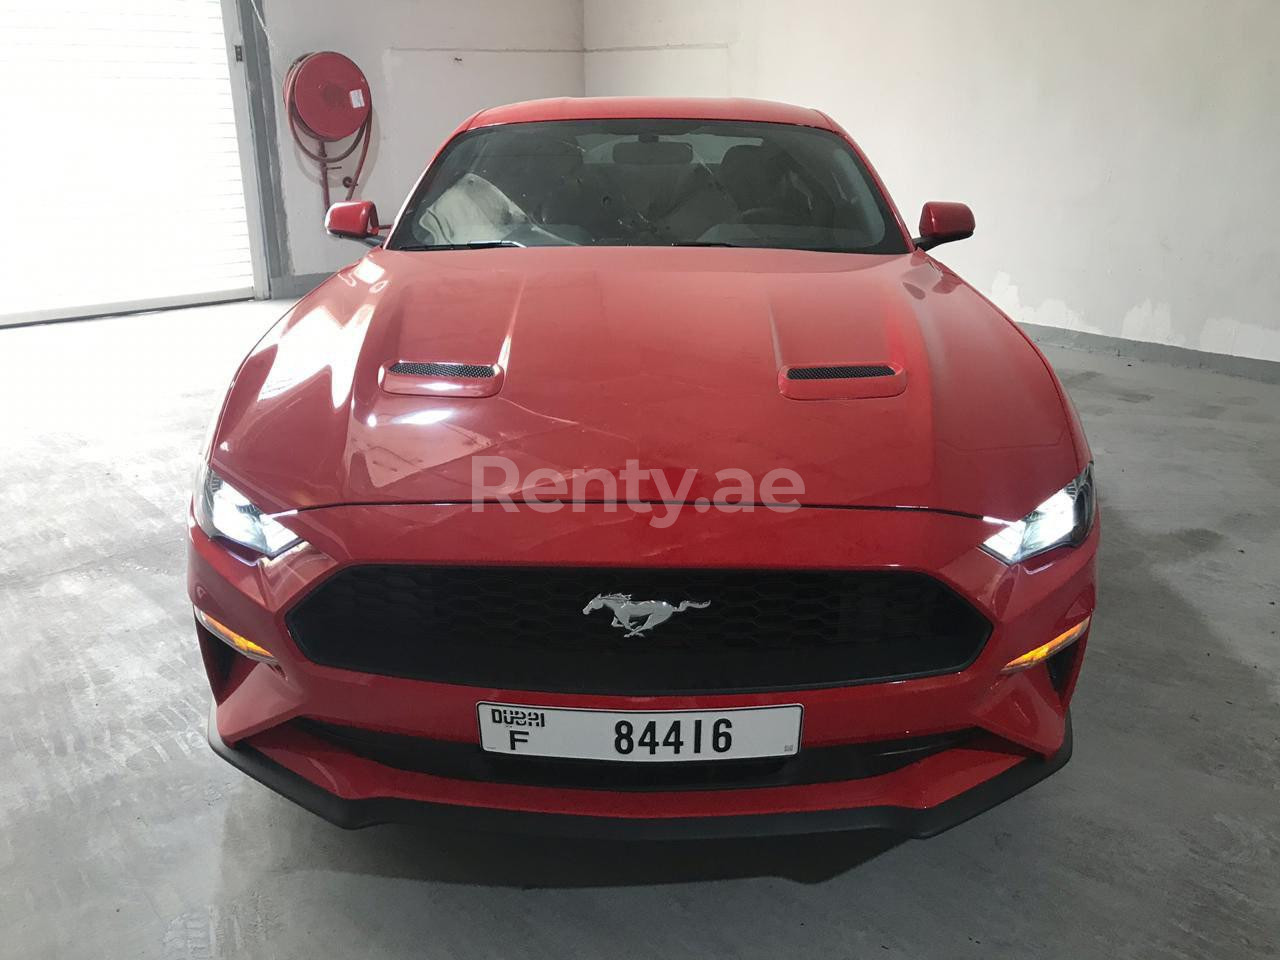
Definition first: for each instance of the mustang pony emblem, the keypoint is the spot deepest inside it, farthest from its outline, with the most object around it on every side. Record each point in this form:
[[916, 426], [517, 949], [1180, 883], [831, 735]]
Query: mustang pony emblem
[[626, 611]]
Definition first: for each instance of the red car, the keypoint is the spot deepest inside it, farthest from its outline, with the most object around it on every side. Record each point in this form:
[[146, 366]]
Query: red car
[[648, 478]]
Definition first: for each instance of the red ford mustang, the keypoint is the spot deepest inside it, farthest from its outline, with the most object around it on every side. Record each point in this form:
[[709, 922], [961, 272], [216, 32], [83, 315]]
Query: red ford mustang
[[648, 477]]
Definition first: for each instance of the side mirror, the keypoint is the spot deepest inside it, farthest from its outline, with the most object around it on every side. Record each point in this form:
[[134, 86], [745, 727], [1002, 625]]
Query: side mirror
[[353, 219], [943, 222]]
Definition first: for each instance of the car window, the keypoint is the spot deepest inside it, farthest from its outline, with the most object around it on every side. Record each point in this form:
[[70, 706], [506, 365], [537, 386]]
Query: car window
[[650, 183]]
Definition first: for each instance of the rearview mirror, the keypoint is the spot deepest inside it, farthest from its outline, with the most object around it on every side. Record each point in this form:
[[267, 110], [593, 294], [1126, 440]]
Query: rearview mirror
[[354, 219], [942, 222]]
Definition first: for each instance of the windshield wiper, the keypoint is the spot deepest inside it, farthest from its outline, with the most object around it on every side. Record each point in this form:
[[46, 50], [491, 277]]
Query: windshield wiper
[[760, 246], [470, 245]]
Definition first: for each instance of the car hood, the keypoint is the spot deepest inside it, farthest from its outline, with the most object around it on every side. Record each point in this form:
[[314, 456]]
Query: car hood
[[671, 357]]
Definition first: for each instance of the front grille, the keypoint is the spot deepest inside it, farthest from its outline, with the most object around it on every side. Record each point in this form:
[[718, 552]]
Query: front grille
[[523, 628], [858, 372], [468, 371], [466, 761]]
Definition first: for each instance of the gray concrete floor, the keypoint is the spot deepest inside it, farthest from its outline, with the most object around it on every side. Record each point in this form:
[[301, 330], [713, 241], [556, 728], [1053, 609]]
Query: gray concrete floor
[[122, 836]]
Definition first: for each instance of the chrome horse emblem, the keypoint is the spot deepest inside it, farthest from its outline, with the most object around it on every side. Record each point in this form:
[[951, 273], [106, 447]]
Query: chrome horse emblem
[[628, 613]]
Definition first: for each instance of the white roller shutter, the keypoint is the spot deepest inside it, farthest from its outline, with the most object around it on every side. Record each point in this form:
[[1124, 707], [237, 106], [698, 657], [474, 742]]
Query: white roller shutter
[[121, 185]]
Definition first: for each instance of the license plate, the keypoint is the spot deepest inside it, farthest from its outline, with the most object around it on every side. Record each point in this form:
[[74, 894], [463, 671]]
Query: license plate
[[739, 733]]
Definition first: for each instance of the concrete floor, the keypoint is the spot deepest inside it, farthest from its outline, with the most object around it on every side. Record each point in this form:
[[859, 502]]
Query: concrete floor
[[122, 836]]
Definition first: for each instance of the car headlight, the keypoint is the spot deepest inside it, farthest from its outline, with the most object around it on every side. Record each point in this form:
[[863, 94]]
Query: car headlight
[[223, 511], [1064, 518]]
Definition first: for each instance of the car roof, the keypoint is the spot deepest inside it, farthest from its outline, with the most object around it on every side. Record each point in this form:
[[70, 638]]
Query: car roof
[[680, 108]]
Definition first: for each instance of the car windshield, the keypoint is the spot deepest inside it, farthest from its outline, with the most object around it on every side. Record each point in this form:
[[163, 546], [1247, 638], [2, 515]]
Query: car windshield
[[649, 183]]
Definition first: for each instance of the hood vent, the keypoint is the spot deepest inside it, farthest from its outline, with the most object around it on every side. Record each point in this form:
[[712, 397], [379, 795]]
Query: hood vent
[[466, 371], [842, 381], [436, 379], [858, 372]]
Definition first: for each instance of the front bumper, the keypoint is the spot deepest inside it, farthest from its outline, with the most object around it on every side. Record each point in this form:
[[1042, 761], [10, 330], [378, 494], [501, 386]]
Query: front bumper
[[370, 811], [1021, 721]]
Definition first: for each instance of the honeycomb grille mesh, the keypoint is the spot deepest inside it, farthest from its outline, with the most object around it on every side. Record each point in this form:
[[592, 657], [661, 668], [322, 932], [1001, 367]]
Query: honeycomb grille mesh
[[858, 372], [468, 371], [524, 628]]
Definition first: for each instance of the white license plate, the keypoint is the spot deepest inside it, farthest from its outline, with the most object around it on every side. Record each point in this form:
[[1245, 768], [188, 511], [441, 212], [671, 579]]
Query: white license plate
[[640, 736]]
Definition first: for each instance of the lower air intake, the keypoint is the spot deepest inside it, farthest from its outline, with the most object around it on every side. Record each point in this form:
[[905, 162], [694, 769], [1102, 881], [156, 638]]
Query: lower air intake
[[524, 628], [466, 761]]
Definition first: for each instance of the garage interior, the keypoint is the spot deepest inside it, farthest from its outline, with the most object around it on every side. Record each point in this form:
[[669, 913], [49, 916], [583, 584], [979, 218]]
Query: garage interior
[[1121, 165]]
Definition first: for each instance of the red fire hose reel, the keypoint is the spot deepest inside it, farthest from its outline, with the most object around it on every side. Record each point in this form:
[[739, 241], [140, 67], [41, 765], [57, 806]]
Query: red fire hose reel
[[326, 99]]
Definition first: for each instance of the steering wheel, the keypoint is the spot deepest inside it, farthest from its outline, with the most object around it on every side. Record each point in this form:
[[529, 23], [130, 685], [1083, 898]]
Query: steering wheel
[[764, 215]]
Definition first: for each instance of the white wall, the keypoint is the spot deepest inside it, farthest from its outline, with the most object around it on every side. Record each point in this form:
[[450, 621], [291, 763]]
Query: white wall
[[430, 64], [1121, 157]]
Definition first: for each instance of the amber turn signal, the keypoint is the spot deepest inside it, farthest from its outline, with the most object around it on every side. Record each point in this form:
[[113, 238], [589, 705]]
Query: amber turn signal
[[237, 642], [1047, 650]]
